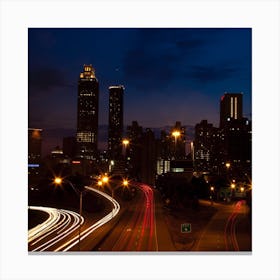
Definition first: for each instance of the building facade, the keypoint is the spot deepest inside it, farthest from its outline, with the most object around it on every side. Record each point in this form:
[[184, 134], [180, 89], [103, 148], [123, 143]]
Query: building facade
[[87, 113], [115, 129], [231, 107], [34, 145], [34, 151]]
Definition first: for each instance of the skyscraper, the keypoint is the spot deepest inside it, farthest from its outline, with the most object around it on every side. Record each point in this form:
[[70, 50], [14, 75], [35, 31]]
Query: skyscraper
[[34, 145], [115, 132], [87, 119], [230, 107], [34, 151]]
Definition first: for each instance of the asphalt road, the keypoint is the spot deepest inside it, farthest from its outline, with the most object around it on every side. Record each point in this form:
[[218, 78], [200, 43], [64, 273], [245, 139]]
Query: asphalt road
[[228, 230], [140, 227], [65, 230]]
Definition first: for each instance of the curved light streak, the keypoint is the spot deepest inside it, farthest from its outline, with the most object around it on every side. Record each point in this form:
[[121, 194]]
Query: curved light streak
[[74, 241], [230, 238], [40, 229], [78, 220], [59, 219]]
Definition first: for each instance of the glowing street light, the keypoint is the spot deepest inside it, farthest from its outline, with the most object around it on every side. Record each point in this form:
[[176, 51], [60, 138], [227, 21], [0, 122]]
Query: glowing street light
[[125, 142], [232, 186], [125, 183], [227, 165], [105, 179], [212, 194], [59, 181], [176, 134]]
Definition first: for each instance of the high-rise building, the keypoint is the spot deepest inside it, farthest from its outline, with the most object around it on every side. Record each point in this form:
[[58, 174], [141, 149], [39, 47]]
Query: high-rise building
[[148, 157], [87, 119], [202, 145], [69, 146], [134, 149], [230, 107], [34, 145], [208, 144], [115, 132], [34, 150], [238, 143]]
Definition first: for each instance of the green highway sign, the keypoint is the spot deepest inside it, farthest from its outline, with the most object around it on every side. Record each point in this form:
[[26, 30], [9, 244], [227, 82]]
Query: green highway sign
[[186, 228]]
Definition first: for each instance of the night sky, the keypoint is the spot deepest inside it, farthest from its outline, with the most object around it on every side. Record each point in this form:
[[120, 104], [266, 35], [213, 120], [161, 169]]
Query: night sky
[[169, 74]]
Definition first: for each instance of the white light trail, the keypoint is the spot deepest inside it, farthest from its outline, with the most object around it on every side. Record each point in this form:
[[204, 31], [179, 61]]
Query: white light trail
[[59, 220], [116, 208]]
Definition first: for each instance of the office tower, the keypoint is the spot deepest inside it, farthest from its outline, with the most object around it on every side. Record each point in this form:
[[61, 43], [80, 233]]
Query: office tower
[[34, 151], [34, 145], [69, 146], [115, 132], [207, 147], [230, 107], [238, 144], [87, 119], [148, 157], [134, 149], [202, 145]]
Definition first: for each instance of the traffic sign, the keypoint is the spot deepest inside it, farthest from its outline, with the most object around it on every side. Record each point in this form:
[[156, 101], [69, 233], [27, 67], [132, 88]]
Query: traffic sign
[[186, 228]]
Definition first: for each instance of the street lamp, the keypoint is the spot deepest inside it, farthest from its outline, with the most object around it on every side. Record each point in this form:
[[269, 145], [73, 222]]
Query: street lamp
[[59, 181], [212, 194], [176, 134], [125, 183], [125, 142], [105, 179], [232, 188]]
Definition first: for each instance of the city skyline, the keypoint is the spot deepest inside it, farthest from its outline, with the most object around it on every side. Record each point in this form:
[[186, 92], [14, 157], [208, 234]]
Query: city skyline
[[169, 74]]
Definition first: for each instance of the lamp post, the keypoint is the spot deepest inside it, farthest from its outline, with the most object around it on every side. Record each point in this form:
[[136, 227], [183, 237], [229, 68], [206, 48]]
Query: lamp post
[[59, 181], [176, 134], [125, 143], [232, 188], [125, 183], [212, 194]]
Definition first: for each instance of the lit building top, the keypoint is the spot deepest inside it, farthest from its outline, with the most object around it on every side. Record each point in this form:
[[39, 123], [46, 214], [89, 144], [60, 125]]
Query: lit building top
[[117, 87], [88, 73]]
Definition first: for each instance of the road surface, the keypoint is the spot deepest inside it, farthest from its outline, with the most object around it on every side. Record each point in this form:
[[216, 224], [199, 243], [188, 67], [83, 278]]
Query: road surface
[[65, 230], [228, 230]]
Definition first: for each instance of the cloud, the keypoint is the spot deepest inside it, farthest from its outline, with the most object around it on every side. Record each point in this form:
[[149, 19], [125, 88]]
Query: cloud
[[45, 79], [147, 70], [211, 73]]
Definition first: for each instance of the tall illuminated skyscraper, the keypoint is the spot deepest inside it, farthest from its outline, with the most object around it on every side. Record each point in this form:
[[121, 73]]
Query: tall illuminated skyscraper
[[115, 132], [230, 107], [87, 119]]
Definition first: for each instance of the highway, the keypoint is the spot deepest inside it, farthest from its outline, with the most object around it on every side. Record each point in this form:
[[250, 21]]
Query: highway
[[62, 230], [226, 230], [136, 229]]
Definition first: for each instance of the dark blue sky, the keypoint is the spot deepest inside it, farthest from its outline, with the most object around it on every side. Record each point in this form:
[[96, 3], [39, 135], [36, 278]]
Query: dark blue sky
[[169, 74]]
